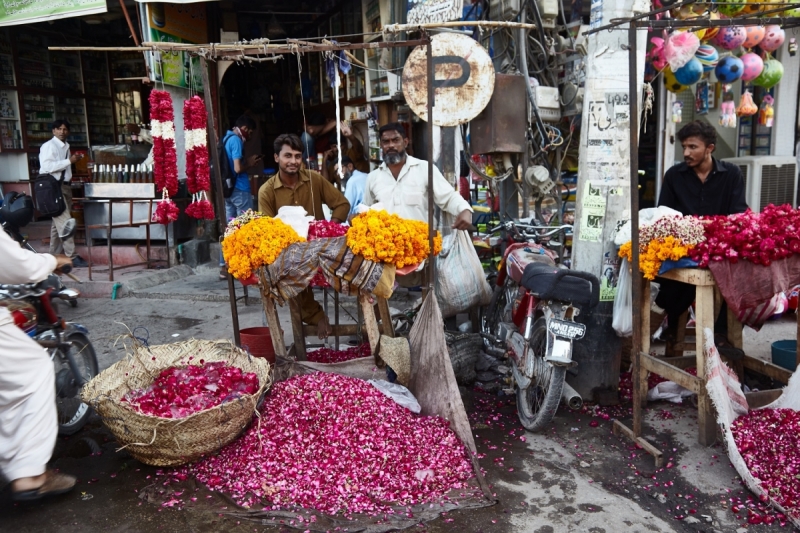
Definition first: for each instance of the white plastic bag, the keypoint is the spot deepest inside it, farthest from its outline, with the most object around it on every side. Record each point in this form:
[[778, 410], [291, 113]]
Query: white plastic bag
[[398, 393], [461, 283], [622, 321], [296, 217]]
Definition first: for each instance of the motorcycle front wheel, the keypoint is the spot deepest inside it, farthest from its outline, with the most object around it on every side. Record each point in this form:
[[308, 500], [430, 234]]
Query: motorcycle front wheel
[[72, 412], [537, 404]]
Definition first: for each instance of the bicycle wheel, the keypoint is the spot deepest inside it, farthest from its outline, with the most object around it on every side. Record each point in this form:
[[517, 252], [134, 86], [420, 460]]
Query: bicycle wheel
[[537, 404], [72, 412]]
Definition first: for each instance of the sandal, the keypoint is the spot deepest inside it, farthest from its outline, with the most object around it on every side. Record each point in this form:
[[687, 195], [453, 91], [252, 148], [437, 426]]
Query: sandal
[[54, 484], [223, 274]]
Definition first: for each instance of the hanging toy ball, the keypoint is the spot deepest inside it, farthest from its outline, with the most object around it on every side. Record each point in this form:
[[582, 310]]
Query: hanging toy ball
[[729, 69], [708, 56], [753, 65], [773, 37], [794, 12], [690, 73], [771, 75], [671, 83], [730, 9], [730, 37], [754, 7], [755, 34], [710, 33]]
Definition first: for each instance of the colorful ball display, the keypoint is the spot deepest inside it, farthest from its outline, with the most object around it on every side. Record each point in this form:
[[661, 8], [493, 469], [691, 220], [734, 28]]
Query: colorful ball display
[[771, 75], [753, 65], [754, 7], [729, 69], [690, 73], [731, 37], [708, 56], [671, 83], [794, 12], [773, 38], [755, 34], [710, 33], [729, 10]]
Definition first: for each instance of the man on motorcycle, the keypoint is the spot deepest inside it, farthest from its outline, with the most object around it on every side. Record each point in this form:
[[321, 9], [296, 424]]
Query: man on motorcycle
[[28, 420]]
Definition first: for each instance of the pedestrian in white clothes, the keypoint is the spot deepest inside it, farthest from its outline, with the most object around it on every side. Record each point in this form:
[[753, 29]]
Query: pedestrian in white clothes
[[401, 183], [55, 158], [28, 420]]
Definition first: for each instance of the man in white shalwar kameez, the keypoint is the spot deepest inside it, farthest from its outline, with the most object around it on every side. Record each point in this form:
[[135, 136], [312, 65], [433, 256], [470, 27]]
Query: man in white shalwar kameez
[[28, 420]]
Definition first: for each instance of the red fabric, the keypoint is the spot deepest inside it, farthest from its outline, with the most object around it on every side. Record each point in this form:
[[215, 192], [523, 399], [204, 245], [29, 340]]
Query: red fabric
[[745, 284]]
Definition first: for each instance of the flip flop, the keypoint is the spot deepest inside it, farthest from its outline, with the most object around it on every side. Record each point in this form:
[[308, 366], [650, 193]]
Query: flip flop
[[54, 484]]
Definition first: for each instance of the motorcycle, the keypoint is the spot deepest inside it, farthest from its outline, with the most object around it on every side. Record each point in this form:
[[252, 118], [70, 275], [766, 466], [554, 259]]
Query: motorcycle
[[531, 319], [32, 307]]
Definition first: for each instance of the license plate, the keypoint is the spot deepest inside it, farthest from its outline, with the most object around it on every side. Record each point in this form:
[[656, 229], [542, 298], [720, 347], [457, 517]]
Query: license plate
[[569, 330]]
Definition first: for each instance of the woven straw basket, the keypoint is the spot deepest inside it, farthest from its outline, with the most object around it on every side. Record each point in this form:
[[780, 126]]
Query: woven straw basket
[[165, 441]]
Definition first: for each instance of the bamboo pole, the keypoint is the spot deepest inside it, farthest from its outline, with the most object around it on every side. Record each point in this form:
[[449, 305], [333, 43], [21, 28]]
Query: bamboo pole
[[396, 28]]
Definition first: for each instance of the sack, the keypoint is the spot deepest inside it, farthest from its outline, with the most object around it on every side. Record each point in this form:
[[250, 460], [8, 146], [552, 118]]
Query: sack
[[461, 283], [228, 177], [47, 195], [622, 321]]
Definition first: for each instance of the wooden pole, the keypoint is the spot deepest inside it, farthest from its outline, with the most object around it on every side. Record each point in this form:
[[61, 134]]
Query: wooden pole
[[431, 229], [396, 28], [212, 148]]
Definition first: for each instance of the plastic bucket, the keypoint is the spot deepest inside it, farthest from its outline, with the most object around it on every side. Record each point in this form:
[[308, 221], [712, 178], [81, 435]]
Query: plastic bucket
[[258, 343], [784, 353]]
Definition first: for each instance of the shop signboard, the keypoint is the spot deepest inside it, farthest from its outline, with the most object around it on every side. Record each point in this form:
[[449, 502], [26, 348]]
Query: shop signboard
[[177, 23], [29, 11], [424, 11]]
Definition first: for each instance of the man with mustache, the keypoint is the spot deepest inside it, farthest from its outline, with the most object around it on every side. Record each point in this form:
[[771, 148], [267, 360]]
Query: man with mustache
[[294, 185], [701, 185]]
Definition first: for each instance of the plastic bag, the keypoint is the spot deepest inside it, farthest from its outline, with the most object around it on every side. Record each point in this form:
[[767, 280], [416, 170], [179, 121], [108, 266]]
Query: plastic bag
[[679, 49], [727, 117], [296, 217], [398, 393], [461, 283], [622, 320], [746, 106], [766, 114]]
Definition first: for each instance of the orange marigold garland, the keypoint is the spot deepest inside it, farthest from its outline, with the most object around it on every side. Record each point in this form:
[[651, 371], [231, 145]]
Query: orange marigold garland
[[656, 252], [256, 243], [381, 237]]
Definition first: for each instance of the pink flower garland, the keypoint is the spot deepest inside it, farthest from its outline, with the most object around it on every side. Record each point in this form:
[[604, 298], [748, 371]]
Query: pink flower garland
[[165, 157], [198, 182]]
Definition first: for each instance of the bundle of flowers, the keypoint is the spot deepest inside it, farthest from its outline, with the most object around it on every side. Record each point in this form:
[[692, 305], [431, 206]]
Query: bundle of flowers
[[165, 158], [318, 446], [769, 444], [671, 237], [760, 238], [381, 237], [180, 392], [329, 355], [236, 223], [256, 243], [325, 229], [198, 182]]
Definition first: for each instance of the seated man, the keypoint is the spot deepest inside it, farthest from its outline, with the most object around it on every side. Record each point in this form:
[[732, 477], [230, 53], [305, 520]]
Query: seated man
[[294, 185], [701, 185]]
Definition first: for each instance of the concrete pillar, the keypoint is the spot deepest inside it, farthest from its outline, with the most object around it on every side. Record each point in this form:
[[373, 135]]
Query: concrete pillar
[[603, 196]]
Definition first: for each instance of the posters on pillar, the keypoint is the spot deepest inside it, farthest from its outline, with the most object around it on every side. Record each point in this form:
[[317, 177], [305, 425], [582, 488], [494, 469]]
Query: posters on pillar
[[609, 276], [593, 211], [608, 139], [424, 11], [177, 23], [30, 11]]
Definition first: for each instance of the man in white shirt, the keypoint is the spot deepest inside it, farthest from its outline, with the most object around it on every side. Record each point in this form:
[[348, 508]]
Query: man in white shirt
[[54, 158], [401, 183], [28, 418]]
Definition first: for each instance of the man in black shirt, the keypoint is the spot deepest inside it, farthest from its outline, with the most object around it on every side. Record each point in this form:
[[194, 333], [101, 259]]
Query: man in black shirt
[[701, 185]]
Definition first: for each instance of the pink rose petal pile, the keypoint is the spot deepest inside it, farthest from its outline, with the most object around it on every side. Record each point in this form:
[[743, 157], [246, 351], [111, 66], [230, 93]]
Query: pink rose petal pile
[[336, 444], [325, 229], [329, 355], [180, 392]]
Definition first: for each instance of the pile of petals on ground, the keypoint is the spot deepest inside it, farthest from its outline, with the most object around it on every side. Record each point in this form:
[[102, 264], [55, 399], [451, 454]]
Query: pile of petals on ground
[[769, 442], [336, 444], [178, 392], [329, 355]]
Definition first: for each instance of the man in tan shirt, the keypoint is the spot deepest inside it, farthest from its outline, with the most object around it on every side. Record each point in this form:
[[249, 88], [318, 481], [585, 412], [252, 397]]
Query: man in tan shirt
[[293, 185]]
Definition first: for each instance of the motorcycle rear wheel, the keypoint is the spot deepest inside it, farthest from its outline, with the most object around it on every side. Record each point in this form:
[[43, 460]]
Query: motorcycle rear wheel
[[72, 412], [537, 404]]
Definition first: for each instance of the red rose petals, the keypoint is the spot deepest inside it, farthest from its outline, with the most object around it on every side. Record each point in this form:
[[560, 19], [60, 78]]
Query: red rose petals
[[180, 392], [328, 355], [336, 444], [324, 229]]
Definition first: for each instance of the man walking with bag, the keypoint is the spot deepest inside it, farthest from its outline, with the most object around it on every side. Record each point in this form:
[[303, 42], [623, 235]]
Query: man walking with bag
[[55, 159]]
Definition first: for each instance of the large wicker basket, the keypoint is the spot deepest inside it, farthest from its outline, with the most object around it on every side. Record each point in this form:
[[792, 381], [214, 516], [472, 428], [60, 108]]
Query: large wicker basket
[[164, 441]]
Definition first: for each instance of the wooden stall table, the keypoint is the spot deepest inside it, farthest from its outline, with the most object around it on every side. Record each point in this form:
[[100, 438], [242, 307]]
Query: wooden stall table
[[672, 368]]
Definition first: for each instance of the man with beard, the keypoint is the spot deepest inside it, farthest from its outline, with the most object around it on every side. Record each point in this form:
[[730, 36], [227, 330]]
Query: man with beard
[[296, 186], [701, 185], [401, 183]]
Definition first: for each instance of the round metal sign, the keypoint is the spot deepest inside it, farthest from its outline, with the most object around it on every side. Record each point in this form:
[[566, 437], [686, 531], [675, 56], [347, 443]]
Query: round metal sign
[[463, 81]]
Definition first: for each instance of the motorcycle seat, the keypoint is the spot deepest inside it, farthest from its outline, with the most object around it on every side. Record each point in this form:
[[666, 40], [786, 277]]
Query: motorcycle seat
[[581, 289]]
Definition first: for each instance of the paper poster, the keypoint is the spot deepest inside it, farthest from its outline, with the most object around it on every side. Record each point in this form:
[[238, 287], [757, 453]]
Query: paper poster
[[30, 11], [609, 277], [593, 211]]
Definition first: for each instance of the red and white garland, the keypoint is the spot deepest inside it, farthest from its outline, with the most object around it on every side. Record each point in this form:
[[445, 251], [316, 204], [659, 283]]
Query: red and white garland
[[165, 171], [197, 167]]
